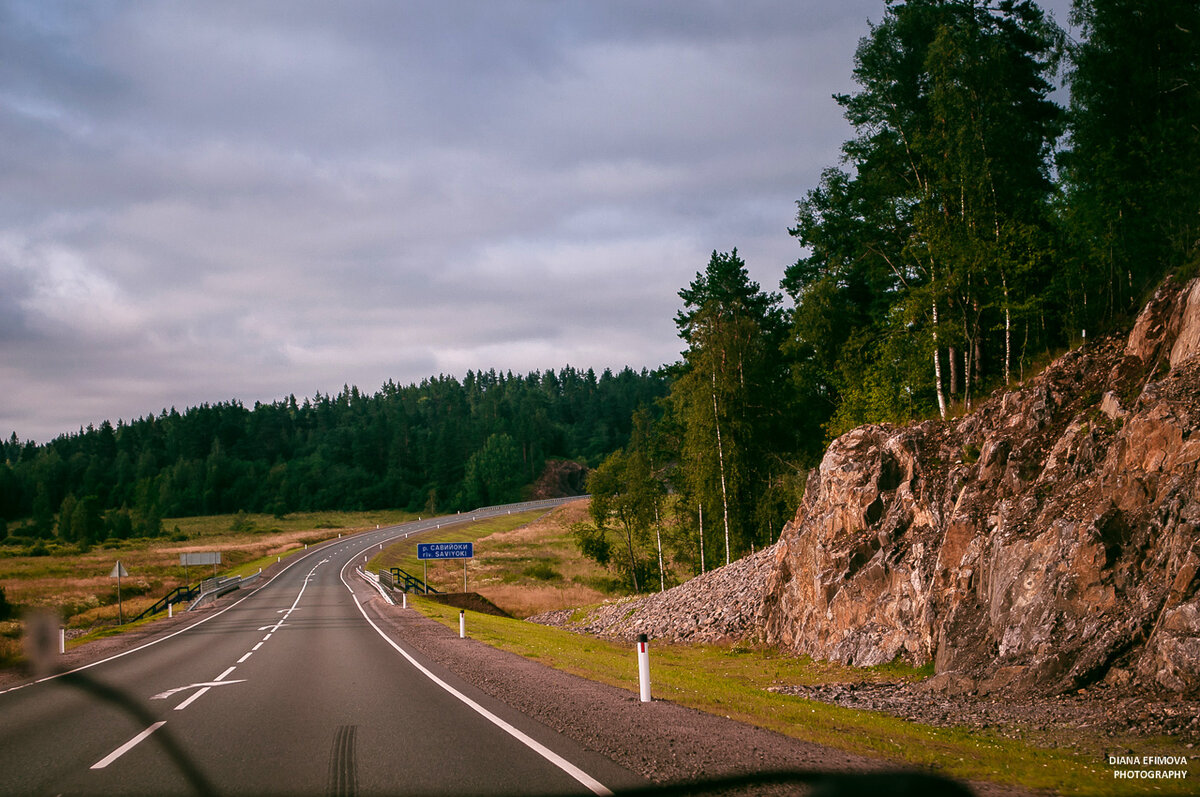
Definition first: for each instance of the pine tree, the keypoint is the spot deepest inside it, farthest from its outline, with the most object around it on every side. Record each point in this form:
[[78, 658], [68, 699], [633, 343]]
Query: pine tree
[[727, 398]]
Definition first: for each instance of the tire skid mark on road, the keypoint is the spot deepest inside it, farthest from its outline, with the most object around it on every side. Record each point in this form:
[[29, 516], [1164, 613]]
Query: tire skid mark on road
[[343, 764]]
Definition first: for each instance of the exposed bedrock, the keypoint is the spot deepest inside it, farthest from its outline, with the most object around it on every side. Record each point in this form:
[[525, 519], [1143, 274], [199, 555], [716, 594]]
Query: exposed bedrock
[[1045, 541]]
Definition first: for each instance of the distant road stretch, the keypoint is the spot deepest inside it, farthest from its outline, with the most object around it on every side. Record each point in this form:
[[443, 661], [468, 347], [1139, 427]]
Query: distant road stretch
[[288, 689]]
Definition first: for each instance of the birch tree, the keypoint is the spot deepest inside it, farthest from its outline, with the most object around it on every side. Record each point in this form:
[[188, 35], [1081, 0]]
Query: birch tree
[[930, 230]]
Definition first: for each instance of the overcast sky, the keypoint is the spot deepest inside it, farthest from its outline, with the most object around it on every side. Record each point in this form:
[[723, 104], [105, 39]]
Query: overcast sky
[[240, 200]]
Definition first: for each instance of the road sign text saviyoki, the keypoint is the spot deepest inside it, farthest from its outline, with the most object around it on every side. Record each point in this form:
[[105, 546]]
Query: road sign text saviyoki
[[446, 550]]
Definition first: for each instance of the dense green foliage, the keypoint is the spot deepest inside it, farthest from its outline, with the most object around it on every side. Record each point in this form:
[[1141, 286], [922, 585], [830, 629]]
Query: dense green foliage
[[973, 228], [440, 445], [1132, 170], [933, 249], [720, 456]]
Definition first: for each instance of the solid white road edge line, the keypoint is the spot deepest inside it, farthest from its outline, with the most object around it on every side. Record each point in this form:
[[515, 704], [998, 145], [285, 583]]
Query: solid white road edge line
[[595, 786], [129, 745], [320, 549]]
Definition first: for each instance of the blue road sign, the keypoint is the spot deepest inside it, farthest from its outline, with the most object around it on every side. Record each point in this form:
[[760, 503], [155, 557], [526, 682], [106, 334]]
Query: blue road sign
[[446, 550]]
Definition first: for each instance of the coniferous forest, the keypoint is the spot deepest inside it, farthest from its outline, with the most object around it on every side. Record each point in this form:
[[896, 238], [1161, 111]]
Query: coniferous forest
[[438, 446], [1006, 191]]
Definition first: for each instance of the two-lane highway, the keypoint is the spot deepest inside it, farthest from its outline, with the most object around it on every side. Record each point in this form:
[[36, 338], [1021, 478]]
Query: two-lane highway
[[291, 689]]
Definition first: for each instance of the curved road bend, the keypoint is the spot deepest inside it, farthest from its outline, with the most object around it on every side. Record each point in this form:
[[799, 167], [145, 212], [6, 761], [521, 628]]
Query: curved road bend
[[288, 690]]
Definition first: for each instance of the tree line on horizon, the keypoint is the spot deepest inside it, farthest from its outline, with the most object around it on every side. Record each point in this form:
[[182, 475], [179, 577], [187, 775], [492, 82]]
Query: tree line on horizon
[[438, 446], [972, 229]]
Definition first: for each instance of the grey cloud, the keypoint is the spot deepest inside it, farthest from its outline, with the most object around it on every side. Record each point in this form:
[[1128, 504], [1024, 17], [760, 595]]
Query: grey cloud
[[266, 198]]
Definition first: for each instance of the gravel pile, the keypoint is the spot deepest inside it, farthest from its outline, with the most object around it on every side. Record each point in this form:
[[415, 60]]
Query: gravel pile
[[722, 604]]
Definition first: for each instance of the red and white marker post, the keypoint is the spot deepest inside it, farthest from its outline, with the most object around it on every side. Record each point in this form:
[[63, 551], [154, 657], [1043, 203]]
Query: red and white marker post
[[643, 653]]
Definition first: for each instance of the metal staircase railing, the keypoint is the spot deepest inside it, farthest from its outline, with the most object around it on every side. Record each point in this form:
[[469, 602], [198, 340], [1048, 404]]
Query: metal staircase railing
[[177, 595], [410, 583]]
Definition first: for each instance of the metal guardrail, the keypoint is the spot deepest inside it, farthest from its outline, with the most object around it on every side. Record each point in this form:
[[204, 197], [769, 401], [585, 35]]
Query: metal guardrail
[[216, 587], [399, 579], [523, 506], [480, 513]]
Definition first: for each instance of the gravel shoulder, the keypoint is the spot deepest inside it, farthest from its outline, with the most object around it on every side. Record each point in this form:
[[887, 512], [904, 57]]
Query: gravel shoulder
[[664, 742]]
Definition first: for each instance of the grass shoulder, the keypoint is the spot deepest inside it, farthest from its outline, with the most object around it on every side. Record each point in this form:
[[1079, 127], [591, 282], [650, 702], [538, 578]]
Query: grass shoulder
[[735, 681], [525, 563]]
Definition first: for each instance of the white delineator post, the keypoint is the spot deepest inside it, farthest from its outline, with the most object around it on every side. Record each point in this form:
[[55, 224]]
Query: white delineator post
[[462, 624], [404, 605], [643, 654], [62, 641]]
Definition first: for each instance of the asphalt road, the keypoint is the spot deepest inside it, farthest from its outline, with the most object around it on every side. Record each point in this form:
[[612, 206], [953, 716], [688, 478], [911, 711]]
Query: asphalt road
[[290, 689]]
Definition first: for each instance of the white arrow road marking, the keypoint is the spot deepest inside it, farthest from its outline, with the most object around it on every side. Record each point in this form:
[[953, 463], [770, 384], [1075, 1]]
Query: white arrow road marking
[[169, 692]]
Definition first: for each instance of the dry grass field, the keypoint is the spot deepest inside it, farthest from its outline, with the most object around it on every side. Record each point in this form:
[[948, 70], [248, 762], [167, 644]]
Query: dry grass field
[[76, 585], [525, 564]]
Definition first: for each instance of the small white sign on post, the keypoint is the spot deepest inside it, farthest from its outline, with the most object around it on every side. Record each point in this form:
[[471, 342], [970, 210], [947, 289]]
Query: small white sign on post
[[119, 572]]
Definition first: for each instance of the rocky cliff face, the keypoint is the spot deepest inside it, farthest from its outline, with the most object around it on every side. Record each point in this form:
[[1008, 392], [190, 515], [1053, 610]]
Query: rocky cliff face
[[1046, 541]]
